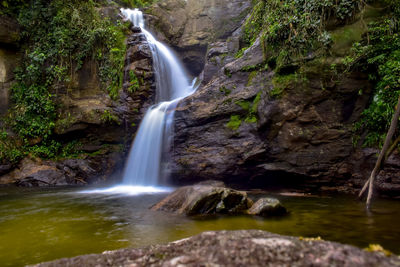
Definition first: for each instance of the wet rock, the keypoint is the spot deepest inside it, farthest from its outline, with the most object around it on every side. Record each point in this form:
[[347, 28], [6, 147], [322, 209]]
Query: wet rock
[[191, 25], [359, 168], [236, 248], [32, 173], [249, 125], [212, 183], [38, 173], [204, 199], [267, 207], [5, 168]]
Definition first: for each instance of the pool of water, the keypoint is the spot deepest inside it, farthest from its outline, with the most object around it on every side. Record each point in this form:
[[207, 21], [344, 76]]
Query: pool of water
[[39, 225]]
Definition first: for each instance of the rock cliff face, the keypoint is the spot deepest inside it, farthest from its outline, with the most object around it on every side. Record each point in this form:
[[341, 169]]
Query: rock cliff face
[[9, 57], [189, 26], [249, 125]]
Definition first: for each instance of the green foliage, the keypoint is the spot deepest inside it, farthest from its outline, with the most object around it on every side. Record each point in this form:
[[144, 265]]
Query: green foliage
[[225, 91], [234, 123], [47, 149], [11, 7], [282, 82], [71, 150], [228, 73], [250, 113], [251, 68], [59, 36], [34, 111], [9, 149], [379, 55], [252, 75], [108, 117], [135, 82], [136, 3], [295, 27]]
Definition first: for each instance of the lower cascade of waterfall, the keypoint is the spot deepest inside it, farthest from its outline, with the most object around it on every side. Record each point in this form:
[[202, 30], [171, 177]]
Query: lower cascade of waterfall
[[145, 166]]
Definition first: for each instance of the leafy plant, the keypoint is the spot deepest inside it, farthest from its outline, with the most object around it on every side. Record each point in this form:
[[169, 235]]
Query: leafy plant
[[108, 117], [293, 29], [379, 55], [58, 37]]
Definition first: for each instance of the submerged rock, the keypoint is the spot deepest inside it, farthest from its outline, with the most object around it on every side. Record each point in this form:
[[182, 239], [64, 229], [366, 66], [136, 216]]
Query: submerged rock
[[236, 248], [204, 199], [267, 207]]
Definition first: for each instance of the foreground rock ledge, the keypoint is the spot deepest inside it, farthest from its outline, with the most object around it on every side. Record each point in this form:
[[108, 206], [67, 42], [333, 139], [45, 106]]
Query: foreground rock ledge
[[236, 248]]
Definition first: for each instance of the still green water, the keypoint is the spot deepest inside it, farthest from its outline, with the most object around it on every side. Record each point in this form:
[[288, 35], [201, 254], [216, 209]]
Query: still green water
[[39, 225]]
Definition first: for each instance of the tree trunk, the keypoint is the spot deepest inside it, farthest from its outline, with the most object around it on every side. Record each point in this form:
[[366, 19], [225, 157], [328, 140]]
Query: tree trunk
[[370, 182]]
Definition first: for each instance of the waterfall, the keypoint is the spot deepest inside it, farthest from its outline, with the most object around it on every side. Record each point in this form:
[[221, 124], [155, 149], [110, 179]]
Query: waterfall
[[144, 165]]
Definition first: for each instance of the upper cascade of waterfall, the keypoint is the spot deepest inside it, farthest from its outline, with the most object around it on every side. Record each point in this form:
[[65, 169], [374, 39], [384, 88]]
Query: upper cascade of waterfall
[[172, 82], [134, 15]]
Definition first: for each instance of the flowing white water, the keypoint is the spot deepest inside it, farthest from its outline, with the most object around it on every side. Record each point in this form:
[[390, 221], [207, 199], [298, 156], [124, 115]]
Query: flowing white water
[[144, 168]]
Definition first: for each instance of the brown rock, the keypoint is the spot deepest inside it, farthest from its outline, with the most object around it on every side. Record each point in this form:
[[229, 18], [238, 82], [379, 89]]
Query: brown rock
[[191, 25], [204, 199], [267, 207], [301, 137]]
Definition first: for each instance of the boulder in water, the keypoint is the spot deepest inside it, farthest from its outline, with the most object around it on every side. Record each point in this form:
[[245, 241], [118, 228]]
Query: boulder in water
[[267, 207], [204, 199]]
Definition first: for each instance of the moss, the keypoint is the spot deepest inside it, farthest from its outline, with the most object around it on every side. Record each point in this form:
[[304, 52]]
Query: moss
[[250, 110], [234, 123], [228, 73], [318, 238], [251, 119], [344, 37], [252, 75], [256, 101], [240, 53], [251, 68], [228, 101], [64, 123], [108, 117], [225, 91], [378, 248], [245, 105], [134, 81], [280, 83]]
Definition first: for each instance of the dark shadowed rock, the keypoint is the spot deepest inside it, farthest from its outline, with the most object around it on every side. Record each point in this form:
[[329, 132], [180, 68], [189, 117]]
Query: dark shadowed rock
[[37, 173], [236, 248], [204, 199], [9, 30], [267, 207]]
